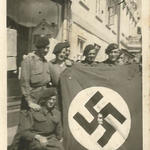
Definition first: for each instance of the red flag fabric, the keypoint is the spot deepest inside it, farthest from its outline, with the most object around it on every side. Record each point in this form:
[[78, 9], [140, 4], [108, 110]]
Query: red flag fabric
[[115, 92]]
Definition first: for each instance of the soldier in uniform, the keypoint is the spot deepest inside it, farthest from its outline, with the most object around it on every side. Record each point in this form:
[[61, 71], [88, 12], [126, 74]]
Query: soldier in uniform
[[35, 73], [43, 130], [68, 61], [35, 77], [90, 54], [61, 62], [125, 58], [113, 53]]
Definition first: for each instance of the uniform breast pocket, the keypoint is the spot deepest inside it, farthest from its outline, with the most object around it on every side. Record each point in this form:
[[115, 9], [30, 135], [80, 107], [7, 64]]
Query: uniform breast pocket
[[38, 117], [39, 122], [36, 75]]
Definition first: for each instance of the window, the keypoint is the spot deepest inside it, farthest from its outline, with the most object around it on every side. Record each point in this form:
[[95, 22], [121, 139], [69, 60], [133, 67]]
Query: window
[[111, 16], [100, 8], [112, 10], [97, 47], [81, 43], [138, 30]]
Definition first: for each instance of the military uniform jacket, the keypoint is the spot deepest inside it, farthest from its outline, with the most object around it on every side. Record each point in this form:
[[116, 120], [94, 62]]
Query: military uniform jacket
[[107, 61], [56, 70], [35, 74], [44, 122]]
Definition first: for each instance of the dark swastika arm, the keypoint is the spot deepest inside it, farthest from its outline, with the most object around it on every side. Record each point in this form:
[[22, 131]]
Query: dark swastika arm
[[110, 109], [110, 130], [89, 127], [92, 102]]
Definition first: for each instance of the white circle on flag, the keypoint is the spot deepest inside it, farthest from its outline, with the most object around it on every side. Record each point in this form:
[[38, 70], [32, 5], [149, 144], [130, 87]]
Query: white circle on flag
[[111, 104]]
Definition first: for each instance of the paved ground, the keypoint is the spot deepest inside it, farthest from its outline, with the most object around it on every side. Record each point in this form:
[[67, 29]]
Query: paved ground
[[12, 122], [13, 91], [11, 132]]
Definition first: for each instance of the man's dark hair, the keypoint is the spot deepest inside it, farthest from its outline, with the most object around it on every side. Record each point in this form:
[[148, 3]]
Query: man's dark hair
[[111, 47], [42, 42], [87, 49]]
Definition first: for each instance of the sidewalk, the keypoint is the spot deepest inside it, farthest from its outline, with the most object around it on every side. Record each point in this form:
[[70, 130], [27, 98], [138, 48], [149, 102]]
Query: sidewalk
[[10, 134]]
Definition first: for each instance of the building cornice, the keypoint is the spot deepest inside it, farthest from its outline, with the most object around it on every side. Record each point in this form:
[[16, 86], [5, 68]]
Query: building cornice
[[131, 48]]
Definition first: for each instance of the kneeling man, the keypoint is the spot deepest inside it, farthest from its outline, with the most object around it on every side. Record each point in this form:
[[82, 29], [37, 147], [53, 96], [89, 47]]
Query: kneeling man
[[43, 128]]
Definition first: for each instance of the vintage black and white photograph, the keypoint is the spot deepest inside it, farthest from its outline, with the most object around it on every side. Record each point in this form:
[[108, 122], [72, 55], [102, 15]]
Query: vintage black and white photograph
[[74, 75]]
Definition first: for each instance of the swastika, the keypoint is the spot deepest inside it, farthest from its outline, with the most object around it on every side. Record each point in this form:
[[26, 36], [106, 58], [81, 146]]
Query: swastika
[[91, 127]]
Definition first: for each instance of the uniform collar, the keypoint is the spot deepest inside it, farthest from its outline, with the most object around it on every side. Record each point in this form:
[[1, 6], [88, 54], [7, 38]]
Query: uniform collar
[[109, 61], [39, 58], [94, 63], [45, 111]]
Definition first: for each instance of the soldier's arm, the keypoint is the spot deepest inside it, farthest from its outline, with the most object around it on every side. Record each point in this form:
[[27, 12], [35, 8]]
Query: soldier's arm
[[25, 83], [59, 127], [25, 79], [27, 123], [51, 70]]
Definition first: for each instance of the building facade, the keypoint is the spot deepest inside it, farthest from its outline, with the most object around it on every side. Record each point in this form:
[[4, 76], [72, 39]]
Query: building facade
[[130, 26], [92, 22], [101, 22]]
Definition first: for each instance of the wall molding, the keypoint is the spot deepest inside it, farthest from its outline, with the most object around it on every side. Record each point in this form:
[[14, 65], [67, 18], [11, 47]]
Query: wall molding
[[84, 4], [107, 26], [91, 32], [131, 48], [114, 32], [98, 18]]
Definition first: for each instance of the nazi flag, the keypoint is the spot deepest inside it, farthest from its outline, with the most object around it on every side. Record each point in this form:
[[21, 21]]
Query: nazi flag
[[112, 91]]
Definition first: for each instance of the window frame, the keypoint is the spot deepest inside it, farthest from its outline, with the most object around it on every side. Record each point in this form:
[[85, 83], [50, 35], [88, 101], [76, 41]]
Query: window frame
[[97, 50], [111, 16], [83, 40], [99, 10]]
